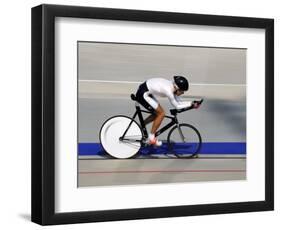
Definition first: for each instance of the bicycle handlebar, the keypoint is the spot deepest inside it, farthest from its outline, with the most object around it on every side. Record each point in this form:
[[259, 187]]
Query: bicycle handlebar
[[175, 111]]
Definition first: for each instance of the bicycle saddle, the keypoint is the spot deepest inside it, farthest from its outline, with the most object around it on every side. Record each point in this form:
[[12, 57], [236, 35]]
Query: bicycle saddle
[[133, 97]]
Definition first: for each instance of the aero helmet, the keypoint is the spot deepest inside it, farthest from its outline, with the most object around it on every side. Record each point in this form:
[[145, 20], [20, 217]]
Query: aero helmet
[[181, 82]]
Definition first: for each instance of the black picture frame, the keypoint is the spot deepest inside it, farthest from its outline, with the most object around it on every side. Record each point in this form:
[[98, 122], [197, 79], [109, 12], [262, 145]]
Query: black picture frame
[[43, 114]]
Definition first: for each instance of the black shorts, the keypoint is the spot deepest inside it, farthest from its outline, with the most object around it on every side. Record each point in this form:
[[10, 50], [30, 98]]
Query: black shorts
[[139, 95]]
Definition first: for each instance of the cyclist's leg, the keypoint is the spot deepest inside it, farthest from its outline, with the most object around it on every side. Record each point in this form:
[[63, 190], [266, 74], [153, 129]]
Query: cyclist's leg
[[152, 116], [150, 103], [158, 118], [149, 119], [160, 114]]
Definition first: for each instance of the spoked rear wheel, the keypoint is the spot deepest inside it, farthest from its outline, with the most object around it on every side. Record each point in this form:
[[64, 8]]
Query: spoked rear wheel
[[184, 141], [112, 131]]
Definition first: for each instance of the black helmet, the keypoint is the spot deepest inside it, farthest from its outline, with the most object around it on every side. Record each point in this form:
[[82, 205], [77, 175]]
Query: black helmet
[[181, 82]]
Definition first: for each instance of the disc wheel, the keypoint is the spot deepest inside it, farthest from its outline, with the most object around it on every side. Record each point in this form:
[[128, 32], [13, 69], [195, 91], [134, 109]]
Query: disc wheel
[[111, 132]]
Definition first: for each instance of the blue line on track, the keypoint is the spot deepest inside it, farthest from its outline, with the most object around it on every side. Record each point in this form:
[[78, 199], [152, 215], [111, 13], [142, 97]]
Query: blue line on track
[[90, 149]]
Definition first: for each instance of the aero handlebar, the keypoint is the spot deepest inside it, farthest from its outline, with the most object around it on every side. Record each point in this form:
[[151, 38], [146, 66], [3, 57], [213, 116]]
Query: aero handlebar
[[175, 111]]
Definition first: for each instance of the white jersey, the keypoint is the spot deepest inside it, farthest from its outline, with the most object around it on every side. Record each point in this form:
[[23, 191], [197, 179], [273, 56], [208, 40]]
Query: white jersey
[[163, 88]]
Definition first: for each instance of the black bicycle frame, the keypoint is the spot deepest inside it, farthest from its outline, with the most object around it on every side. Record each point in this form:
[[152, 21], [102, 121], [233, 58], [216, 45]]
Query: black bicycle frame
[[138, 113]]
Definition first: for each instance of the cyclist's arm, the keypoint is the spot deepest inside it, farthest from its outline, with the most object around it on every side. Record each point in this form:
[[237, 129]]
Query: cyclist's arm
[[175, 101], [177, 98]]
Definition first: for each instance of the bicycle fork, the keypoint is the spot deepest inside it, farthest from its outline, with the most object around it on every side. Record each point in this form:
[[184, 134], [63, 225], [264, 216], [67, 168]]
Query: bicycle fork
[[179, 129], [181, 134]]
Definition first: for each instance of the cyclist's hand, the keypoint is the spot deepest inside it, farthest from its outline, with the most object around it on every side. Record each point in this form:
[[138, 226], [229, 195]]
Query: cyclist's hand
[[195, 104]]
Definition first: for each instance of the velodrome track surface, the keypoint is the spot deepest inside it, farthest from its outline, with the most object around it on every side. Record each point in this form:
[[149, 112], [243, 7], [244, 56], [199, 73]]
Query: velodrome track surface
[[99, 170], [153, 171]]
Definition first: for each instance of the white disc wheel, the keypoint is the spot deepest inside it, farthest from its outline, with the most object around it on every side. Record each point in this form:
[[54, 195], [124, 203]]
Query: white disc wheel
[[111, 132]]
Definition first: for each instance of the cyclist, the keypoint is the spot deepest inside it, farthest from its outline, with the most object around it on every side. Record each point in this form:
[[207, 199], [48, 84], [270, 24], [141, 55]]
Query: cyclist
[[146, 96]]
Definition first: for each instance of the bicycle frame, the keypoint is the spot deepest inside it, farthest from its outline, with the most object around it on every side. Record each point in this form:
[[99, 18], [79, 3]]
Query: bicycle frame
[[138, 113]]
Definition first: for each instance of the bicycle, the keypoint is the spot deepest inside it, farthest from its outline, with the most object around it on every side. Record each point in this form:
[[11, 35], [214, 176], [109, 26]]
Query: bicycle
[[122, 137]]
